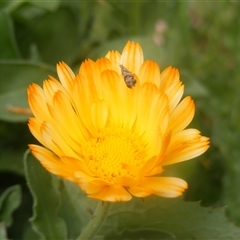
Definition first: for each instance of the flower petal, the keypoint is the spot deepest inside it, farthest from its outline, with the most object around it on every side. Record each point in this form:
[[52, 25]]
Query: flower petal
[[169, 77], [68, 122], [34, 125], [99, 112], [132, 57], [174, 94], [53, 163], [149, 72], [165, 186], [37, 102], [84, 95], [50, 87], [66, 76], [186, 145], [114, 56], [182, 115], [113, 193]]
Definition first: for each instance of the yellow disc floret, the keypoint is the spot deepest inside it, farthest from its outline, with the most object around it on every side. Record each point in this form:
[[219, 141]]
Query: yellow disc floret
[[110, 153]]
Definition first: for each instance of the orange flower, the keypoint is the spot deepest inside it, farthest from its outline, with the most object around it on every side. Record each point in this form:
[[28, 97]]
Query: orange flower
[[113, 140]]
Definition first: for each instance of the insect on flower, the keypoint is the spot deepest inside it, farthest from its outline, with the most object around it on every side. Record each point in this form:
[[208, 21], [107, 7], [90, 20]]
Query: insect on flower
[[128, 77]]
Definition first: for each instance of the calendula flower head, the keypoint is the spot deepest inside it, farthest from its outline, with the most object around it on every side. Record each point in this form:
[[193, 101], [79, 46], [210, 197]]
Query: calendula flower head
[[113, 140]]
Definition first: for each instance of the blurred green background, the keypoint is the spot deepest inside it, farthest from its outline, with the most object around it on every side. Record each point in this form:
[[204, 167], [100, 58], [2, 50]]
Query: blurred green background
[[201, 39]]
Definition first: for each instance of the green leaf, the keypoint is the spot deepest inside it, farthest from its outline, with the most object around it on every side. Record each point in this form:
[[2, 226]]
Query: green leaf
[[229, 143], [9, 202], [76, 208], [14, 140], [29, 233], [45, 218], [46, 4], [11, 5], [55, 35], [11, 161], [193, 87], [147, 233], [3, 232], [9, 49], [16, 76], [19, 74], [174, 217]]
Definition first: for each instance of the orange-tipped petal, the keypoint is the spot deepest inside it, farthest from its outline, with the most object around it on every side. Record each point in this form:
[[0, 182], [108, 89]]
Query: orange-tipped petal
[[52, 162], [165, 186], [182, 115], [113, 193], [132, 57]]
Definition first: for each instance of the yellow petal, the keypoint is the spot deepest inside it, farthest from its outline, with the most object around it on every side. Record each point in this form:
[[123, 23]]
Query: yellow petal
[[66, 76], [165, 186], [150, 72], [140, 191], [52, 163], [132, 57], [114, 56], [192, 151], [185, 145], [150, 166], [37, 102], [182, 115], [99, 113], [34, 125], [169, 77], [174, 94], [84, 95], [68, 121], [53, 140], [50, 87], [112, 193]]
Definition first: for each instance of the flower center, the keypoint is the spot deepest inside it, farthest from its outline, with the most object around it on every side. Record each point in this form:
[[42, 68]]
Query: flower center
[[113, 153]]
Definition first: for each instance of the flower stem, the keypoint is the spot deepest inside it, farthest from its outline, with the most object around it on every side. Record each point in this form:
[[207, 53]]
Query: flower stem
[[96, 222]]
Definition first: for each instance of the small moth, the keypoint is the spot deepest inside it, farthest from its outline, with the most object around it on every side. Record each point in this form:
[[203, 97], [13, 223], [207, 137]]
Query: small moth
[[128, 77]]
